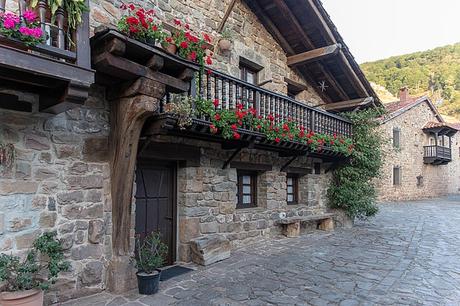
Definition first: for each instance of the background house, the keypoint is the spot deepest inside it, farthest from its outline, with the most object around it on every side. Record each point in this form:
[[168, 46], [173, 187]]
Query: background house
[[422, 154]]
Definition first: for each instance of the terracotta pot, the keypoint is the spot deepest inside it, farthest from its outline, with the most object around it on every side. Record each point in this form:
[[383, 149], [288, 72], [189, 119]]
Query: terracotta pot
[[32, 297], [225, 44], [170, 48]]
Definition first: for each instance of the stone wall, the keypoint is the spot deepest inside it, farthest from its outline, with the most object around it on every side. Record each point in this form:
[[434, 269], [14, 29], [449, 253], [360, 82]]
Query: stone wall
[[438, 180], [60, 181]]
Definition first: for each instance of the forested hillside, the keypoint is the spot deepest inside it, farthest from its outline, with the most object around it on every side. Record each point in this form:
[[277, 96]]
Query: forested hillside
[[434, 72]]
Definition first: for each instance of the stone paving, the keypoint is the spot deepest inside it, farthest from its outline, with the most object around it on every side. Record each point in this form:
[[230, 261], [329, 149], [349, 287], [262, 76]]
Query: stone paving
[[408, 255]]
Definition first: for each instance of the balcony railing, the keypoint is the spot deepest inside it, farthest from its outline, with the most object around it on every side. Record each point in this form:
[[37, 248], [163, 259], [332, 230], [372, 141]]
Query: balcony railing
[[437, 154], [231, 91], [60, 42]]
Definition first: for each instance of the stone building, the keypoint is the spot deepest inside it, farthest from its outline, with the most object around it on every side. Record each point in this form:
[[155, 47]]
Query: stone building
[[422, 154], [95, 160]]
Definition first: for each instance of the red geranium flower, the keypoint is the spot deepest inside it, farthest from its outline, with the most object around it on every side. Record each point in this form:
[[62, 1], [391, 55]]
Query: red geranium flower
[[277, 139], [192, 56], [208, 72], [236, 135], [310, 141], [187, 26], [177, 22], [155, 28], [259, 126], [132, 20], [184, 45], [213, 129], [169, 39], [208, 60], [234, 127], [216, 102], [270, 117], [131, 7], [207, 38], [285, 127], [217, 117]]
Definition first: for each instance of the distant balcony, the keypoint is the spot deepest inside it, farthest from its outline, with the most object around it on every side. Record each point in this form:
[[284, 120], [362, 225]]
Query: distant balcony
[[53, 76], [437, 155]]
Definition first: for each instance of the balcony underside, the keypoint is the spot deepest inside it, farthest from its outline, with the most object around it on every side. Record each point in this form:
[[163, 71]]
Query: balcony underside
[[436, 160], [31, 82], [166, 124]]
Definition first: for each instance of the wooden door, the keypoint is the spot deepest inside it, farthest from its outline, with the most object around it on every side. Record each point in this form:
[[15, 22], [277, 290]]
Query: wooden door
[[155, 203]]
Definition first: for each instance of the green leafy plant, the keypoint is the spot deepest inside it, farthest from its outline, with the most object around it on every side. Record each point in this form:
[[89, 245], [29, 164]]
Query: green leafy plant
[[39, 269], [140, 24], [150, 253], [353, 183], [27, 29], [227, 34], [182, 108]]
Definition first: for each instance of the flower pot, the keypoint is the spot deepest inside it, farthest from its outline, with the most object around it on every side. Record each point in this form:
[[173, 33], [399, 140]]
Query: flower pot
[[148, 284], [170, 48], [225, 44], [32, 297]]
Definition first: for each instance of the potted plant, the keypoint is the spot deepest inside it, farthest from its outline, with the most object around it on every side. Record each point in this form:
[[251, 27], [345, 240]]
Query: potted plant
[[73, 10], [25, 279], [225, 42], [141, 24], [150, 256], [24, 30]]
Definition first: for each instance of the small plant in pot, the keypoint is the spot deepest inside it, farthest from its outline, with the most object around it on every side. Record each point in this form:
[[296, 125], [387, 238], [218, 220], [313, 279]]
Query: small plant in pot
[[225, 42], [25, 279], [150, 256]]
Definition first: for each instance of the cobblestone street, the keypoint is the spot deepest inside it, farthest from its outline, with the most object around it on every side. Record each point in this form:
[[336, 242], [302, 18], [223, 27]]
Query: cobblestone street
[[409, 254]]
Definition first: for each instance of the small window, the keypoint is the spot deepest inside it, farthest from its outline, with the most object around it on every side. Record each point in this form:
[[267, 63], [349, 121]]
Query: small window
[[247, 189], [317, 167], [292, 183], [396, 176], [396, 138], [419, 181]]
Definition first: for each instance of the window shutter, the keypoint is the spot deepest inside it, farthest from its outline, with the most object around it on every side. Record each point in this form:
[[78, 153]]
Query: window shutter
[[396, 176]]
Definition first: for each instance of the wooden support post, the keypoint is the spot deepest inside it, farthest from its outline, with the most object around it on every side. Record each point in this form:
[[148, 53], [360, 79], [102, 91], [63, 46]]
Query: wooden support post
[[227, 14], [130, 110], [313, 55]]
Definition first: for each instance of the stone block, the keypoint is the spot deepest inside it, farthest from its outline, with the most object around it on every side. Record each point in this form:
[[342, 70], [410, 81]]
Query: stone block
[[79, 237], [327, 225], [78, 168], [71, 197], [85, 182], [44, 174], [207, 228], [189, 228], [18, 224], [23, 170], [86, 251], [96, 149], [2, 223], [92, 273], [47, 219], [36, 142], [83, 212], [210, 249], [39, 202], [12, 187], [95, 231], [93, 196], [67, 151], [25, 241], [66, 228], [291, 230]]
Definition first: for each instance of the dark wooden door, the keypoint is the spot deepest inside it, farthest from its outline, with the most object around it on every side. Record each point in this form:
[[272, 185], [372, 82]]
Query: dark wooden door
[[155, 202]]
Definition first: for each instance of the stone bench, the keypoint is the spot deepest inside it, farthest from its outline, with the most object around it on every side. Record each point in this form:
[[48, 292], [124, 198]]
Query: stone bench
[[291, 225]]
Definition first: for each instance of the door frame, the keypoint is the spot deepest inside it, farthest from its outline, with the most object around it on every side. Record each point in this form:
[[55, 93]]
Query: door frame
[[172, 166]]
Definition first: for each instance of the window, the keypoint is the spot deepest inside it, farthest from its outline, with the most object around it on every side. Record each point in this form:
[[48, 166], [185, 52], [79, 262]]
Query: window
[[317, 167], [292, 183], [248, 74], [396, 138], [249, 71], [396, 176], [419, 181], [247, 189]]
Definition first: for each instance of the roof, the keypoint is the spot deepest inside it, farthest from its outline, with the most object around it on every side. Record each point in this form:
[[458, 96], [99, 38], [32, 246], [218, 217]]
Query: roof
[[432, 125], [440, 128], [394, 109], [300, 26]]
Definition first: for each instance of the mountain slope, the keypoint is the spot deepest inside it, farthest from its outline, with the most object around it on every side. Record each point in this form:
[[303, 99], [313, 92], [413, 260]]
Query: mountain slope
[[434, 72]]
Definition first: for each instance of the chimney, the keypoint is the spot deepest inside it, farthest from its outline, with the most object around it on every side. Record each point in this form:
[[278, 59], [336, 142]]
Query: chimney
[[404, 94]]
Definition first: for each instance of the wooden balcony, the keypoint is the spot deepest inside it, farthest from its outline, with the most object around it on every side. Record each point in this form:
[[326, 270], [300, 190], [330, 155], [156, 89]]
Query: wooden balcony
[[437, 155], [120, 60], [50, 77]]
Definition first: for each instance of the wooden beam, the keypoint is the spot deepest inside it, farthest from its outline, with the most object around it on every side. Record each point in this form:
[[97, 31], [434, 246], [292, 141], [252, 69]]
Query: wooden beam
[[251, 166], [227, 14], [348, 104], [313, 55], [332, 81]]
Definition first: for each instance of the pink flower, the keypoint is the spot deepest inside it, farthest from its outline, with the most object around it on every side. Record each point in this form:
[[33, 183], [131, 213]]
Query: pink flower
[[10, 20], [30, 16]]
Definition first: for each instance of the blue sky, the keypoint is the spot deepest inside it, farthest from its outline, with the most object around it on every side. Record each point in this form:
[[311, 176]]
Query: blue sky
[[376, 29]]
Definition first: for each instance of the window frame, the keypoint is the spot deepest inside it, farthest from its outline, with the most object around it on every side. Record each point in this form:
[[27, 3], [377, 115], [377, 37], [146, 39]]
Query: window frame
[[245, 69], [253, 187], [397, 180], [295, 189]]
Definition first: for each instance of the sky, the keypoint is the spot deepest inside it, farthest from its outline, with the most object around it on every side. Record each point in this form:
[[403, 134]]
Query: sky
[[377, 29]]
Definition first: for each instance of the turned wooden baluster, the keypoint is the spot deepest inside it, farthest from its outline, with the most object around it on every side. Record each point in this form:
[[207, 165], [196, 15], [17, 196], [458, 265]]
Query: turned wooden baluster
[[22, 8], [60, 25], [42, 15], [2, 5]]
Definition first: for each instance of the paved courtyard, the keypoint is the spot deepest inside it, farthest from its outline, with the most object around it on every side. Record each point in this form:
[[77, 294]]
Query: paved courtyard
[[408, 255]]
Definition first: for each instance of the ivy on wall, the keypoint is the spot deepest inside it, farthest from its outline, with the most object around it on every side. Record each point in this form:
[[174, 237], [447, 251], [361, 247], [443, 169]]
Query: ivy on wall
[[353, 186]]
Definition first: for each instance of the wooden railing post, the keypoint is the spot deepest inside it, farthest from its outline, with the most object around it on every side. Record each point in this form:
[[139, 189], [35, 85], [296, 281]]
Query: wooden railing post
[[2, 5], [82, 41], [42, 15]]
